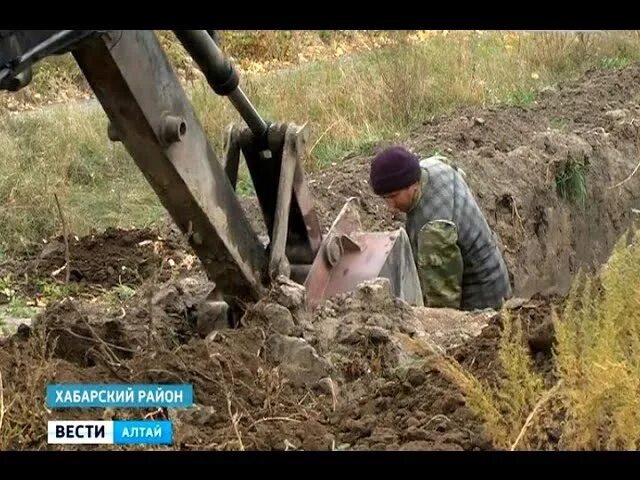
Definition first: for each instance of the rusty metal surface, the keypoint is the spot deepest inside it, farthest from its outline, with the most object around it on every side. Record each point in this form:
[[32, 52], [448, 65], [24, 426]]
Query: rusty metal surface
[[361, 256], [352, 268], [304, 201], [348, 219], [141, 95]]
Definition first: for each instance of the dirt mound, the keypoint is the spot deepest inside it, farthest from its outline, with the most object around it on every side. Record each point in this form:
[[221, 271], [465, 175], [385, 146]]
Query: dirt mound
[[293, 384], [392, 395], [103, 260], [412, 406], [243, 401], [159, 316]]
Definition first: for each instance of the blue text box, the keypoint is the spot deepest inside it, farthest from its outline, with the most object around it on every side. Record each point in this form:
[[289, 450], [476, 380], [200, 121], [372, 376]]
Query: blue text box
[[119, 395], [147, 432]]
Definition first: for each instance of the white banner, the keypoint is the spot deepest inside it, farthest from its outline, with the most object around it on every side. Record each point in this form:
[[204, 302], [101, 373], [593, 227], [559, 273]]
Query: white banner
[[80, 431]]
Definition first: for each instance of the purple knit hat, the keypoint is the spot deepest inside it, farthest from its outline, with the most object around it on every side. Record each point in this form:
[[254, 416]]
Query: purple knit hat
[[393, 169]]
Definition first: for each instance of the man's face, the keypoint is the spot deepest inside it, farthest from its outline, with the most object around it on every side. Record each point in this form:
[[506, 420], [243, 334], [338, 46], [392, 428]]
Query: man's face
[[401, 200]]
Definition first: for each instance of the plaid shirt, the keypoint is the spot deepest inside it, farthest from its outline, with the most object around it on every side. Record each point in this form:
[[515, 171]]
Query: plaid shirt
[[446, 196]]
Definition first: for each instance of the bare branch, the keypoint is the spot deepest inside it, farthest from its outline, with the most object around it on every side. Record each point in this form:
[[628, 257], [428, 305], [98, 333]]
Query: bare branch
[[65, 233]]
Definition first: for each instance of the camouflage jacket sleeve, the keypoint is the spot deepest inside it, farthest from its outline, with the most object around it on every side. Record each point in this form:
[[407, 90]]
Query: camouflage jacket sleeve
[[439, 264]]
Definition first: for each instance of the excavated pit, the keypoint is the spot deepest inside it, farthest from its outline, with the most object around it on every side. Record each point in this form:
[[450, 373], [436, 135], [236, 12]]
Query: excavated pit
[[359, 371]]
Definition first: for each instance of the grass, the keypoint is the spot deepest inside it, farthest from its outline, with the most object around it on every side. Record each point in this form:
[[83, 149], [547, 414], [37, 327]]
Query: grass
[[523, 96], [614, 62], [14, 305], [64, 150], [595, 400], [24, 419], [51, 291], [18, 307], [119, 294], [505, 406], [352, 102], [571, 180]]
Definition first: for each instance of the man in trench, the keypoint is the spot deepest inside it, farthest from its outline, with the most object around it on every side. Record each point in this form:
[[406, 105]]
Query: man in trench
[[455, 251]]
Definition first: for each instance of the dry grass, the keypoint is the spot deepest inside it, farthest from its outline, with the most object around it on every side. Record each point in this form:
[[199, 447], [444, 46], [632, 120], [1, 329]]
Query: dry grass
[[505, 406], [352, 101], [596, 398], [58, 79], [598, 356], [23, 386]]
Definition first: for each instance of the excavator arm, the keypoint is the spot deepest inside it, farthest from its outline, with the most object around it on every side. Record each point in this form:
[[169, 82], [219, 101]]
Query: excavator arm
[[150, 113]]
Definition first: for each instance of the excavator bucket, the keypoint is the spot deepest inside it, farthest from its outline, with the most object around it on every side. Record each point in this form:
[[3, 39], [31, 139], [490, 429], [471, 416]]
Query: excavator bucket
[[277, 175], [348, 256]]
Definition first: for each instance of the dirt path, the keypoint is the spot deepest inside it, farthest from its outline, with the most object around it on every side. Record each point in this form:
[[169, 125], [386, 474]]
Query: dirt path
[[358, 373]]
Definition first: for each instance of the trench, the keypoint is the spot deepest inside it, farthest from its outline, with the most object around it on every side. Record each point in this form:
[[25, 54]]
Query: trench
[[555, 179]]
